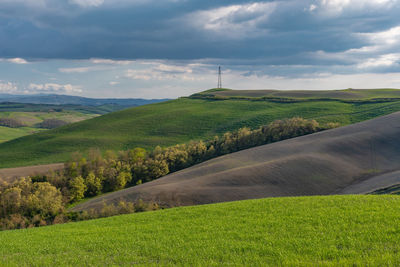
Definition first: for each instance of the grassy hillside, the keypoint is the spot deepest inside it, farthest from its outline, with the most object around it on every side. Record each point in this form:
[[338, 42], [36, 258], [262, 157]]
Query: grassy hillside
[[173, 122], [32, 115], [335, 230], [7, 133]]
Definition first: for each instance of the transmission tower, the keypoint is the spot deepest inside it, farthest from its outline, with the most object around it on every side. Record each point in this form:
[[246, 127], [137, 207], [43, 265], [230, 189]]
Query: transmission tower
[[219, 78]]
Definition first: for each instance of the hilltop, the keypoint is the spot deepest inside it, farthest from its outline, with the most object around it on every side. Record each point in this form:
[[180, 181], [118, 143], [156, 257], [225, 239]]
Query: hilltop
[[178, 121], [346, 95]]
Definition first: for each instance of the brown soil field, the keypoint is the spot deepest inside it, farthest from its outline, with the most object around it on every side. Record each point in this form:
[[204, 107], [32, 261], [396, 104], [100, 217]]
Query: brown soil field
[[11, 173], [336, 161]]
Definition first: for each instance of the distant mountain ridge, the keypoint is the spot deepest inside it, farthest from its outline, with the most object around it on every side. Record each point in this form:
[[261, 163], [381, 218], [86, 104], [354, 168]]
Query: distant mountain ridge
[[55, 99]]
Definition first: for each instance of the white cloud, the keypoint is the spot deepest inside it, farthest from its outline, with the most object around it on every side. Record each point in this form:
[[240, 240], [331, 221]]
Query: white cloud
[[7, 87], [110, 61], [388, 37], [338, 6], [162, 71], [55, 88], [77, 70], [312, 8], [87, 3], [112, 83], [234, 20], [381, 61], [16, 60], [316, 81], [173, 69], [382, 49]]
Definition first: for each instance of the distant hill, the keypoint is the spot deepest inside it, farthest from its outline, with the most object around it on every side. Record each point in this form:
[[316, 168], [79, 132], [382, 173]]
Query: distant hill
[[178, 121], [8, 106], [33, 110], [76, 100], [358, 158]]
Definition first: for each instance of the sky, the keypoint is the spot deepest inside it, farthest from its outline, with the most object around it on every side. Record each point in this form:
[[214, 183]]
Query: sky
[[172, 48]]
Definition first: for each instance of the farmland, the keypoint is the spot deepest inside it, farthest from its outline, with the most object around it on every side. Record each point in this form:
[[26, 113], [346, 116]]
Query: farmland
[[334, 230], [175, 122]]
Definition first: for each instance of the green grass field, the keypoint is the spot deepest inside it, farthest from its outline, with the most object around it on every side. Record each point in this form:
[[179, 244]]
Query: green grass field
[[174, 122], [7, 133], [32, 115], [301, 231], [33, 119]]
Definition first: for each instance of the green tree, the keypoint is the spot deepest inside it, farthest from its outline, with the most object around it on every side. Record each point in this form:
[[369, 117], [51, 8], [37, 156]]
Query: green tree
[[77, 188], [93, 184], [45, 200], [121, 180]]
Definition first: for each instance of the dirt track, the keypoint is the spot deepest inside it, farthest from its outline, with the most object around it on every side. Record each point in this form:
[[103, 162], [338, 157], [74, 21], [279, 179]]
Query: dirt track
[[11, 173], [318, 164]]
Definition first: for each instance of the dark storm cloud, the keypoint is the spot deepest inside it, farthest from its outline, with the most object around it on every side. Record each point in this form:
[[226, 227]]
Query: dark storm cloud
[[291, 32]]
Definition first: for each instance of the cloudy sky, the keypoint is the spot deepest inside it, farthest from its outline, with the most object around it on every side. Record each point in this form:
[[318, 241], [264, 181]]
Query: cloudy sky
[[170, 48]]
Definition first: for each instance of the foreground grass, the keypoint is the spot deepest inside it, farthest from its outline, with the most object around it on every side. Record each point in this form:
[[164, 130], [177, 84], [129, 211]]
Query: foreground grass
[[174, 122], [331, 230]]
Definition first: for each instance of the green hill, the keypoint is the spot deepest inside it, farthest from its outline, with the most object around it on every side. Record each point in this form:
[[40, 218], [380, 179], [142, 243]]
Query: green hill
[[302, 231], [350, 95], [29, 118], [179, 121]]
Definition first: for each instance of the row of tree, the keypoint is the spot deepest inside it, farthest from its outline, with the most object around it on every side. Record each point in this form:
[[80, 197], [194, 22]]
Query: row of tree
[[11, 123], [96, 173], [52, 123]]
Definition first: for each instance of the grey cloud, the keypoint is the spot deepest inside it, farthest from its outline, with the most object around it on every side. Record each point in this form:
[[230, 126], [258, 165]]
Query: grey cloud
[[270, 33]]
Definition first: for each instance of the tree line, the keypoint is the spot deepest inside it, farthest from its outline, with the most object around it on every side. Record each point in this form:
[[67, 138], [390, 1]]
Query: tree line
[[52, 123], [11, 123], [41, 200]]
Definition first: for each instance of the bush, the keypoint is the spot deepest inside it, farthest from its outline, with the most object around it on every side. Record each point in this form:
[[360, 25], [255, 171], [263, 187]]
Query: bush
[[24, 204]]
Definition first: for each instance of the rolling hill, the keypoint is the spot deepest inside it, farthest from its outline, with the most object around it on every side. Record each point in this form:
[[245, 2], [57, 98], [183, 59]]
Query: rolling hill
[[54, 99], [59, 109], [299, 231], [179, 121], [340, 160], [29, 118]]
